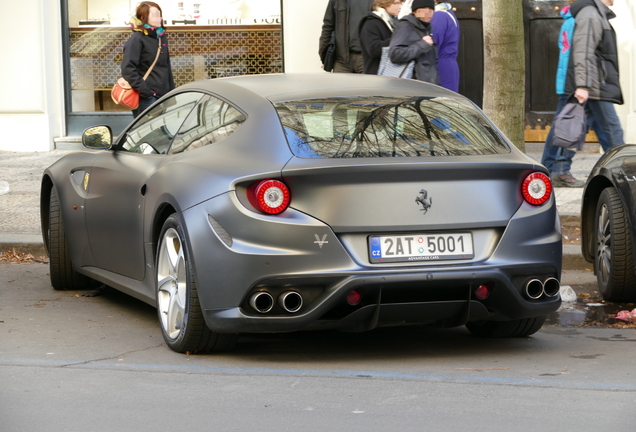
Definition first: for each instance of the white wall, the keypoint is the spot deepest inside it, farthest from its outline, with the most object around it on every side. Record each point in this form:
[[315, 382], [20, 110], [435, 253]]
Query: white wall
[[31, 102], [302, 22]]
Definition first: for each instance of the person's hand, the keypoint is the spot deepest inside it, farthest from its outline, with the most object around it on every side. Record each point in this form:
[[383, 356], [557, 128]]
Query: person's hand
[[428, 39], [582, 95]]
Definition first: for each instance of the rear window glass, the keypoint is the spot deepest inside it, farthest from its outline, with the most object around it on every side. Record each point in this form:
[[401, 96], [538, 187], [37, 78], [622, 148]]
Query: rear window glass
[[387, 127]]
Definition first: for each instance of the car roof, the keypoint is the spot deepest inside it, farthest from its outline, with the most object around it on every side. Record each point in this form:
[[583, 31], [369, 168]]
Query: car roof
[[295, 86]]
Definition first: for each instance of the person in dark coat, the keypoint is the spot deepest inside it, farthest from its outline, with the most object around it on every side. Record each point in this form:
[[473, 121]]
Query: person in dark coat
[[557, 159], [140, 52], [375, 32], [342, 19], [413, 40], [593, 65]]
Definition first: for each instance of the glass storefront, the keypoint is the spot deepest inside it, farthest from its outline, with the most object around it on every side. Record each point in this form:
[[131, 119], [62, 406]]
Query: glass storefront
[[207, 39]]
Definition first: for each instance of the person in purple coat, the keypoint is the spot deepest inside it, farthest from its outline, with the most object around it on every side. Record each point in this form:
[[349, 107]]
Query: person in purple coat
[[446, 36]]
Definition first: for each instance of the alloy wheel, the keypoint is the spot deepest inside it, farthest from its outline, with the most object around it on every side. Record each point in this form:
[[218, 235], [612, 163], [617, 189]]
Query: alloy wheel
[[604, 244], [172, 283]]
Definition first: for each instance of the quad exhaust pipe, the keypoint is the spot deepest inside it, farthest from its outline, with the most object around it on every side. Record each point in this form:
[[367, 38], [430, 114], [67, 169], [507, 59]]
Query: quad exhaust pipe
[[291, 301], [551, 287], [263, 302], [534, 288]]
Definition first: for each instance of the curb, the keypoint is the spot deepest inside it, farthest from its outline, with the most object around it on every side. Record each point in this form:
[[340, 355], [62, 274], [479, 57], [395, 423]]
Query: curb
[[573, 259], [24, 243]]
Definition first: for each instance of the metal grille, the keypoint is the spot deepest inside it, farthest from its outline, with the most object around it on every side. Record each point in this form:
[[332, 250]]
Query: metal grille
[[195, 53]]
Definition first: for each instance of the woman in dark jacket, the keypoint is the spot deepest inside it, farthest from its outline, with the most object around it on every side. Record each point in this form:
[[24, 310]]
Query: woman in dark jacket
[[413, 40], [140, 52], [375, 32]]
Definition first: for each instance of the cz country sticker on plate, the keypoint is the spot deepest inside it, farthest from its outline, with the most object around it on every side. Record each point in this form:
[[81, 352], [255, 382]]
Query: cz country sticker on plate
[[421, 247]]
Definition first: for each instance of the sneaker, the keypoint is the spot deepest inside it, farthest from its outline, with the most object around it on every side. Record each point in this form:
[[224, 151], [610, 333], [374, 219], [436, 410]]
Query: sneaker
[[566, 180]]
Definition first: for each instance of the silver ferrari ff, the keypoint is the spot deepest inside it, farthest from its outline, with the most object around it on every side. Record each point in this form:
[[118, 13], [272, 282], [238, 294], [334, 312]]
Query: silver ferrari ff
[[287, 202]]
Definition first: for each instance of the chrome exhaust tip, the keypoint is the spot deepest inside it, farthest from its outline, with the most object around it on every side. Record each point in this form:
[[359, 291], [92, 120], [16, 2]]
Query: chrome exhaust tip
[[262, 302], [291, 301], [534, 289], [551, 287]]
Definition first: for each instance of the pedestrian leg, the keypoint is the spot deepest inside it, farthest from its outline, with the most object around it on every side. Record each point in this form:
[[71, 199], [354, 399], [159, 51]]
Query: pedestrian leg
[[605, 113]]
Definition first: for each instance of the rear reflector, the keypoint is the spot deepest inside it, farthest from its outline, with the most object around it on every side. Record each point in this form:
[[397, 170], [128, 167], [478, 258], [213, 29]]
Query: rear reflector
[[482, 292], [354, 297], [536, 188], [270, 196]]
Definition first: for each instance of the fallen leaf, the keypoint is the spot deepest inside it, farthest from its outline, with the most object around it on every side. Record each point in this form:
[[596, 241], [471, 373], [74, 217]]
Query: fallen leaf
[[15, 257]]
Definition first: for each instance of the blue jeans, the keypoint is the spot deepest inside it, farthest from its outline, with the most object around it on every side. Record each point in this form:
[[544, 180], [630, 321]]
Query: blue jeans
[[606, 115], [143, 104], [559, 160]]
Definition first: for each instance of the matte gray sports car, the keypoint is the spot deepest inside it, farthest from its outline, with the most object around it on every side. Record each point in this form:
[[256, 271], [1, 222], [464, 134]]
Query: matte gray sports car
[[277, 203]]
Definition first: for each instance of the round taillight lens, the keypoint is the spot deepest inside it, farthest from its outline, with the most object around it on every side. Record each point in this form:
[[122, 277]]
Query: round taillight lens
[[272, 196], [536, 188]]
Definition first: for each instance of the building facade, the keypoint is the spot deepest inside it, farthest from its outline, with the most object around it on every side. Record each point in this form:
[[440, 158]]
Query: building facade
[[62, 57]]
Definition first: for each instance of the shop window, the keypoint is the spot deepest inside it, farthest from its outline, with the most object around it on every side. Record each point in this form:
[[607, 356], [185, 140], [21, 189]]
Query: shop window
[[207, 39]]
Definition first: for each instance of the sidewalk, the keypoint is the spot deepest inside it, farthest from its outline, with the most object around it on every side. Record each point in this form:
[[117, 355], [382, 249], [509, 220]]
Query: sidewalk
[[21, 172]]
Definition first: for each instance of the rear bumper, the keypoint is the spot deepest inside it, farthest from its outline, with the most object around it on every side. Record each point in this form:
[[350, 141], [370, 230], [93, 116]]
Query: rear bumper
[[299, 253], [442, 298]]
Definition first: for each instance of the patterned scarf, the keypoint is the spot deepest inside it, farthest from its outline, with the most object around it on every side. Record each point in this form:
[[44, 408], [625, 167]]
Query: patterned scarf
[[388, 19], [137, 25]]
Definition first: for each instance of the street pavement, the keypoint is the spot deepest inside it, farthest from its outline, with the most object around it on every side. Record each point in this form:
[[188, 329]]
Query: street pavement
[[72, 363], [21, 172]]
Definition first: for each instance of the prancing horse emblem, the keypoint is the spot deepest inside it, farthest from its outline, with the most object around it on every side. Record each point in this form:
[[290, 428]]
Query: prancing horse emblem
[[424, 200]]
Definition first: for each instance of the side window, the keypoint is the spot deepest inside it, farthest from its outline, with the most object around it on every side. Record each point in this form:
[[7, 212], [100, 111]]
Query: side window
[[154, 131], [212, 121]]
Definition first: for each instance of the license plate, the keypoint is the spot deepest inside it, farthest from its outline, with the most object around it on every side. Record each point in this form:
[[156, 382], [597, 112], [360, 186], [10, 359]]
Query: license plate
[[421, 247]]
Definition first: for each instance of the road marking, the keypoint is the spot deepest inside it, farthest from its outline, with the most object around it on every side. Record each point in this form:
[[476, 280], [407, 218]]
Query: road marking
[[448, 378]]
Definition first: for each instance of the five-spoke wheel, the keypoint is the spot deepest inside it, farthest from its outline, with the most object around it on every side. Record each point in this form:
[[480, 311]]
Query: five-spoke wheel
[[171, 283], [178, 308]]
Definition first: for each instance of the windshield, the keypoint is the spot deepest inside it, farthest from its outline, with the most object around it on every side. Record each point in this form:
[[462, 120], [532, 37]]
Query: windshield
[[374, 127]]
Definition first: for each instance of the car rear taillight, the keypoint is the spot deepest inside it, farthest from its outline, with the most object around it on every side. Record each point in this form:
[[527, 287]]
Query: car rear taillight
[[536, 188], [270, 196]]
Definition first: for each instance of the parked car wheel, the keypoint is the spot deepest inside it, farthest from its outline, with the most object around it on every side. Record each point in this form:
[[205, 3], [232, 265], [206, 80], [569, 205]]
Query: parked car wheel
[[62, 275], [501, 329], [613, 261], [180, 315]]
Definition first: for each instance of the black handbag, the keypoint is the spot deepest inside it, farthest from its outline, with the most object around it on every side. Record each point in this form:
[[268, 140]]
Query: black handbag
[[328, 55]]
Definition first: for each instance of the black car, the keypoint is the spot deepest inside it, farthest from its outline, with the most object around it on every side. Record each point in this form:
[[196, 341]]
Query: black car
[[608, 221]]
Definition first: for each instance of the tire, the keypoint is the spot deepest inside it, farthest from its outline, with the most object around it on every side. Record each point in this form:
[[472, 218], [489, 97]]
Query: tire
[[62, 275], [180, 316], [502, 329], [613, 255]]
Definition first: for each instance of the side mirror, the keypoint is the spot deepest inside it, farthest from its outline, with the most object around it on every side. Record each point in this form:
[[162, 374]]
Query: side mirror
[[97, 137]]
